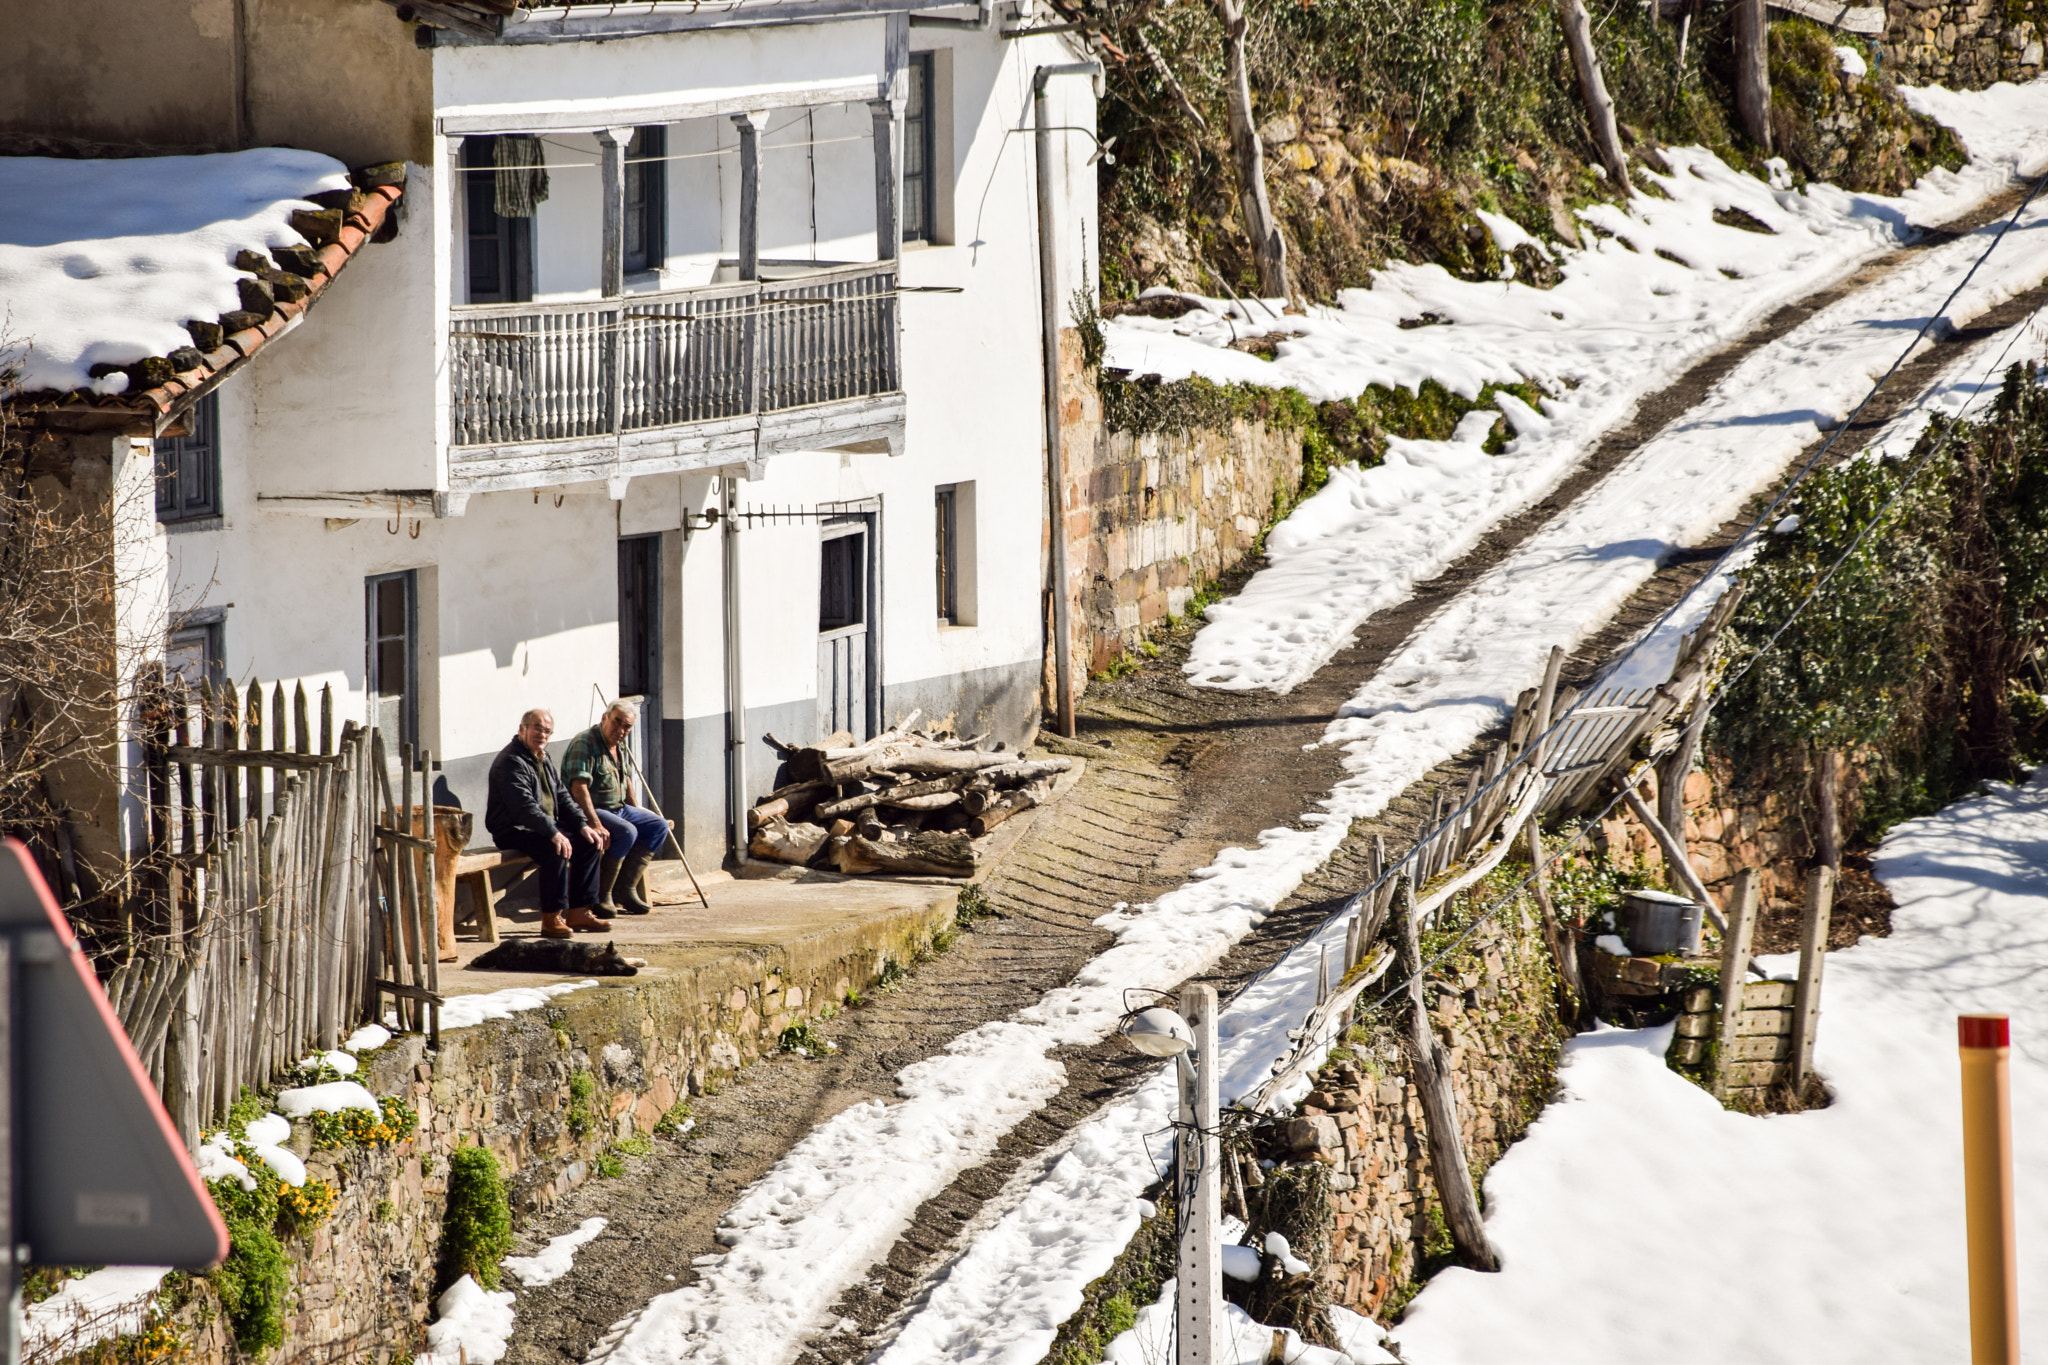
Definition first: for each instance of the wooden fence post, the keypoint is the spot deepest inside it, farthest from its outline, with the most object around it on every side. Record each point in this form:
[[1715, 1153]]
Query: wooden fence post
[[1440, 1108], [1734, 966], [1813, 948]]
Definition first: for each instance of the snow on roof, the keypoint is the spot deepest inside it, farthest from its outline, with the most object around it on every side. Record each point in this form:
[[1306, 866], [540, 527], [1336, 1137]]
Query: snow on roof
[[103, 262]]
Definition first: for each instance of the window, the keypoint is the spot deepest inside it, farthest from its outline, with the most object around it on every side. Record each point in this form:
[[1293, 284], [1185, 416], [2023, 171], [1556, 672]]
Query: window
[[947, 539], [195, 654], [500, 249], [646, 200], [920, 203], [392, 676], [188, 466], [842, 578]]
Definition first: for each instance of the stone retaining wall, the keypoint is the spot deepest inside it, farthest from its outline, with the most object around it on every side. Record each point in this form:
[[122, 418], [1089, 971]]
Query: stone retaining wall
[[1962, 44], [1723, 836], [364, 1280], [1498, 1018], [1151, 516]]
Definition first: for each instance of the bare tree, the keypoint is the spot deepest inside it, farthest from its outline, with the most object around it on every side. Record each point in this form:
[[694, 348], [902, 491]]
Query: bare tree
[[1269, 248]]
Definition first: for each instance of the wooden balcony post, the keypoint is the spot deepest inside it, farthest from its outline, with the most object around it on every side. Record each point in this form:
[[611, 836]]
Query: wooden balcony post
[[888, 116], [750, 126], [611, 144]]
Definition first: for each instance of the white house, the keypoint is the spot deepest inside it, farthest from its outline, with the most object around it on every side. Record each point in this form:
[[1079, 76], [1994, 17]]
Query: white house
[[745, 416]]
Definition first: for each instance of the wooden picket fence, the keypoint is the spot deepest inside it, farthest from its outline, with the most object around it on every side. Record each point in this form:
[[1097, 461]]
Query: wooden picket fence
[[273, 916]]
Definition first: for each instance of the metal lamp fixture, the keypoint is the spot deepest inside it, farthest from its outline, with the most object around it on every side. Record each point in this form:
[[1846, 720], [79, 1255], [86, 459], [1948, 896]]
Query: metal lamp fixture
[[1157, 1032]]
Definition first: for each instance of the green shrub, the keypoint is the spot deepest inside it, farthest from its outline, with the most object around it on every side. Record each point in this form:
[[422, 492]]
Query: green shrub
[[671, 1123], [476, 1233], [394, 1121], [253, 1283], [804, 1038]]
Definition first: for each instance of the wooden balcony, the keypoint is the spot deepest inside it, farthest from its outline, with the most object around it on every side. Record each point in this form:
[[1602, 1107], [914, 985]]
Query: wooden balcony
[[543, 393]]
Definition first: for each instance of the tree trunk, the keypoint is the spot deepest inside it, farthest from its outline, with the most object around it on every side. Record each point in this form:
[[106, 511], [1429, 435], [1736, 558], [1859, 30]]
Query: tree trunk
[[1827, 851], [1440, 1112], [1269, 248], [1578, 34], [1753, 71]]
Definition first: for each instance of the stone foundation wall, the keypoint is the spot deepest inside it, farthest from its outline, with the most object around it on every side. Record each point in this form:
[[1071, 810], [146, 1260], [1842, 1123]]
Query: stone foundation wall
[[1151, 516], [363, 1282], [1498, 1018], [1962, 44]]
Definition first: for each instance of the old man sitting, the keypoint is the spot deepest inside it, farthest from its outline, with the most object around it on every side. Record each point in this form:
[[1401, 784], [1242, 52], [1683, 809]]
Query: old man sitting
[[594, 768], [529, 811]]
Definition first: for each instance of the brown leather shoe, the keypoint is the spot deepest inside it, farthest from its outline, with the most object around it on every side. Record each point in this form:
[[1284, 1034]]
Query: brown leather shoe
[[551, 926], [581, 918]]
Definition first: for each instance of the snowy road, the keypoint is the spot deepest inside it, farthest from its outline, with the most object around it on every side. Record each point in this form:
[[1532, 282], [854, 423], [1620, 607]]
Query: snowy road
[[838, 1200], [1453, 681]]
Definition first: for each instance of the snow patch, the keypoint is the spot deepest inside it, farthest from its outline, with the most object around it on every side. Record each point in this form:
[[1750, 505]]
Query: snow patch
[[109, 1303], [334, 1096], [105, 261], [471, 1326], [467, 1011], [554, 1260]]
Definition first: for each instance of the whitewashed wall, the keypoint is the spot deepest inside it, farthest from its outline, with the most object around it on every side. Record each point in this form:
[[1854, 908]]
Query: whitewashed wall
[[518, 595]]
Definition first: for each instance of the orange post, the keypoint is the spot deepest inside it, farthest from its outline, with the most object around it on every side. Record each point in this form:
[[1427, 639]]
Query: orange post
[[1987, 1189]]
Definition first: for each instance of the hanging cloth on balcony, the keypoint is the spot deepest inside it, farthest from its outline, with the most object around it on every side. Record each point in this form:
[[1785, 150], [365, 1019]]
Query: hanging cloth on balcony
[[522, 175]]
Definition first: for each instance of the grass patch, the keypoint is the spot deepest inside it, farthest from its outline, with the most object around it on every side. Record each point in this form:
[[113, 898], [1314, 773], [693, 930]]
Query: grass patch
[[804, 1040], [581, 1115]]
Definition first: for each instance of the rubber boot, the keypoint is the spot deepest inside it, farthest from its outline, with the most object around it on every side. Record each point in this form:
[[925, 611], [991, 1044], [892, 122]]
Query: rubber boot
[[607, 874], [627, 893], [551, 925], [581, 919]]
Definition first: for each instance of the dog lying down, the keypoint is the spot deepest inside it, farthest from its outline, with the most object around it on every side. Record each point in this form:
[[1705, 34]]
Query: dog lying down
[[565, 956]]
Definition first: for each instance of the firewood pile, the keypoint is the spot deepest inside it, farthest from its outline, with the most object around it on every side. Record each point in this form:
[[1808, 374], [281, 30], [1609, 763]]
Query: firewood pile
[[908, 801]]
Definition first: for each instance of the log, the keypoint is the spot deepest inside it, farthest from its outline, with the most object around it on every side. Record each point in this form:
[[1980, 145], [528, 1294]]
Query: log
[[1674, 852], [768, 810], [784, 842], [1009, 804], [1440, 1110], [922, 854], [891, 796], [928, 801], [908, 757]]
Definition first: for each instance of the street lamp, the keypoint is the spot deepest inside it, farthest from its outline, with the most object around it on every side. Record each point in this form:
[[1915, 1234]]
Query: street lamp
[[1190, 1038]]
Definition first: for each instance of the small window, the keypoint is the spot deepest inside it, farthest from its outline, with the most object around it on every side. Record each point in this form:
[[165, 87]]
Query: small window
[[392, 680], [919, 121], [188, 466], [842, 578], [947, 537], [195, 655], [646, 200]]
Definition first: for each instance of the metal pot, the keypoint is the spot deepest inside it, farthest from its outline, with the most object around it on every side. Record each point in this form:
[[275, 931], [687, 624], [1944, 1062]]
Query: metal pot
[[1656, 922]]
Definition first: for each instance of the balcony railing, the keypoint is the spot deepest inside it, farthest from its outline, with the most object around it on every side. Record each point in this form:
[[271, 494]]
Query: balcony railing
[[531, 372]]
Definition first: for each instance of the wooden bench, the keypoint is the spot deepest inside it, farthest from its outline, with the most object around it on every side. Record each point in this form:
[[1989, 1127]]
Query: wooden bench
[[473, 869]]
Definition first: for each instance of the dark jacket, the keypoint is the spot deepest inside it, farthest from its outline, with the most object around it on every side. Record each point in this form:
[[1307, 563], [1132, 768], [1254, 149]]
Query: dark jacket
[[514, 805]]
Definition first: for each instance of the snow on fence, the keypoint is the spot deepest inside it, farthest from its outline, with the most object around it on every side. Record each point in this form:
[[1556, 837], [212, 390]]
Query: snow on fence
[[277, 908]]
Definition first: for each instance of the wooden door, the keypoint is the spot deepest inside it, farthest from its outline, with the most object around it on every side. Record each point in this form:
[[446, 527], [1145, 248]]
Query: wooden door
[[843, 620]]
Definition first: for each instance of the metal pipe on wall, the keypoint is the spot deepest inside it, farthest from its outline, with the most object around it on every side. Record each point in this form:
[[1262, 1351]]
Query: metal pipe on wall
[[735, 678], [1049, 322]]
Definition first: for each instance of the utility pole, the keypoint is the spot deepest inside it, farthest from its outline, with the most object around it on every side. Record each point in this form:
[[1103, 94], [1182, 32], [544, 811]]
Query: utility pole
[[1199, 1337]]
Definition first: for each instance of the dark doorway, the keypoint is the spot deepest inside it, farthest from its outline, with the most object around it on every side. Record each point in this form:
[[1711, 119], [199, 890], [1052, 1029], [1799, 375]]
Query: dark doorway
[[640, 650], [500, 249], [846, 664]]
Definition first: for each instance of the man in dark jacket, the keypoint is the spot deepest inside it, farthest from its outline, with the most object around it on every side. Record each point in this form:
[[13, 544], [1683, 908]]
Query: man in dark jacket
[[529, 811]]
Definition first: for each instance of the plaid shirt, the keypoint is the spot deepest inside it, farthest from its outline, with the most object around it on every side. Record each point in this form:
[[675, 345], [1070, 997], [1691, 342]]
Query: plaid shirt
[[589, 759]]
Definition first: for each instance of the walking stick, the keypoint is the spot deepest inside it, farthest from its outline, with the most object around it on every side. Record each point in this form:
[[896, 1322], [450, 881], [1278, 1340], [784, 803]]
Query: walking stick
[[648, 789]]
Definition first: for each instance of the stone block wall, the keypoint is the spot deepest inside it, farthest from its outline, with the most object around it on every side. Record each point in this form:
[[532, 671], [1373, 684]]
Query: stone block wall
[[1149, 517], [1497, 1016], [1723, 836], [363, 1282], [1963, 44]]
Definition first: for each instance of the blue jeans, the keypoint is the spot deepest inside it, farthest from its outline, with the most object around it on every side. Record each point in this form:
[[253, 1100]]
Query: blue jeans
[[633, 830]]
